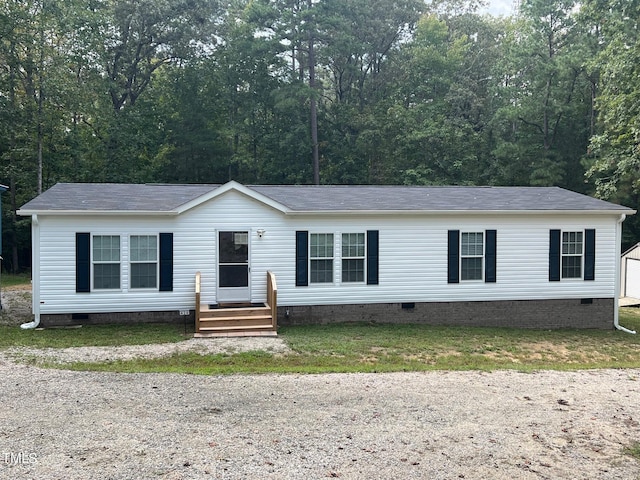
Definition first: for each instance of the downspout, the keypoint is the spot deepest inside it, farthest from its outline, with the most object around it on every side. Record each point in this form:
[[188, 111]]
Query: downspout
[[35, 274], [616, 300]]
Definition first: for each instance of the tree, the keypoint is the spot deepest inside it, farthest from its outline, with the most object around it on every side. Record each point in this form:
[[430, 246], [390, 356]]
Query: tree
[[358, 43], [432, 142], [543, 89], [32, 87], [121, 46], [614, 157]]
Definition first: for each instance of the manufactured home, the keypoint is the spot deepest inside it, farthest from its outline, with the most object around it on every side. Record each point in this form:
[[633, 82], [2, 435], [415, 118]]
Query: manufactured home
[[241, 258]]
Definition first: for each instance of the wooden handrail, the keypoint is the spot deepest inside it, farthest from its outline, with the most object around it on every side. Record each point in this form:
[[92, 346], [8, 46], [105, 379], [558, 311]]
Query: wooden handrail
[[197, 302], [272, 298]]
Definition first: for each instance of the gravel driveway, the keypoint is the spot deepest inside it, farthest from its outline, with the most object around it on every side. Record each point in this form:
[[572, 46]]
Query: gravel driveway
[[58, 424]]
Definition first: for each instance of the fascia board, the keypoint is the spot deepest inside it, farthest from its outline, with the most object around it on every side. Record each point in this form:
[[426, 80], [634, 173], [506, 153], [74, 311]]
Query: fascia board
[[462, 212], [91, 213]]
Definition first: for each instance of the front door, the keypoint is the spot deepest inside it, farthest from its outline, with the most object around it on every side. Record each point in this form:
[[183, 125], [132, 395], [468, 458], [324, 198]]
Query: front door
[[233, 267]]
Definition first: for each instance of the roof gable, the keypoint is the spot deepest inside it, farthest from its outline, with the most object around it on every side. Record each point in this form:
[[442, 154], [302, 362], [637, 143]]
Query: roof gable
[[237, 187]]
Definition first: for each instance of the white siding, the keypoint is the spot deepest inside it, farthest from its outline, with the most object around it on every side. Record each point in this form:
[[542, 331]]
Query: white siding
[[633, 278], [412, 260], [627, 257]]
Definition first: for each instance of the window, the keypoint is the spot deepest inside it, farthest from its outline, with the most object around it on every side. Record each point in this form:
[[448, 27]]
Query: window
[[106, 262], [353, 257], [321, 258], [471, 256], [144, 261], [572, 254], [359, 256]]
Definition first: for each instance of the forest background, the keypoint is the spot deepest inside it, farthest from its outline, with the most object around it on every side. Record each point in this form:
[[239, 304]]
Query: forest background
[[317, 91]]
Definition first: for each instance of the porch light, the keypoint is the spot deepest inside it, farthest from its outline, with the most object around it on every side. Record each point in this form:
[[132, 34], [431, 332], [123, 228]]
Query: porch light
[[260, 232]]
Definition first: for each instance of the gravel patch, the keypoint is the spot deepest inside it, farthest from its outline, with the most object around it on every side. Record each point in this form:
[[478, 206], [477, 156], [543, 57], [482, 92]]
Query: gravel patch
[[438, 425], [201, 346]]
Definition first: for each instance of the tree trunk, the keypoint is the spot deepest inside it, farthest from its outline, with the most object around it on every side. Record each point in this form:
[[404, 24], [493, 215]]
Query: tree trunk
[[313, 106], [15, 264]]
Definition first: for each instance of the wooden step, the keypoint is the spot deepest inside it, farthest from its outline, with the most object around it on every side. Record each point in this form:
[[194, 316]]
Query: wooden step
[[235, 321], [206, 312], [213, 318], [241, 319], [246, 327], [237, 333]]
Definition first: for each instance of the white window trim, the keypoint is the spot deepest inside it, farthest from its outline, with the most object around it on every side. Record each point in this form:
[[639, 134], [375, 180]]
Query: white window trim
[[332, 259], [563, 255], [94, 262], [157, 262], [482, 257], [363, 258]]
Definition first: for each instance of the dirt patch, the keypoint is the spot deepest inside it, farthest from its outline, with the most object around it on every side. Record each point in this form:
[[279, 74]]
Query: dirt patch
[[16, 305], [199, 346], [561, 352]]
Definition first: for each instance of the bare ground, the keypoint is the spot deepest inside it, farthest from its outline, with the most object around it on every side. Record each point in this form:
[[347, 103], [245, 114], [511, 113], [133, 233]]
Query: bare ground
[[439, 425], [16, 305]]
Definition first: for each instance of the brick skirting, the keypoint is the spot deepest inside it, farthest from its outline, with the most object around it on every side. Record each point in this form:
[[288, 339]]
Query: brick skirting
[[540, 314], [114, 318]]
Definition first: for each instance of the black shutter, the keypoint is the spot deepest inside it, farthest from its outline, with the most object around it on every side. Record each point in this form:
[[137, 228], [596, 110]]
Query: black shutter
[[372, 257], [302, 259], [490, 257], [554, 255], [453, 256], [83, 262], [166, 262], [590, 254]]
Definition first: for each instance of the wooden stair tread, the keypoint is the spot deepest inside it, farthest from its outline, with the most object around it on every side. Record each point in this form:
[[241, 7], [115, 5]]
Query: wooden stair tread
[[238, 328], [205, 308], [237, 333], [243, 317], [234, 314]]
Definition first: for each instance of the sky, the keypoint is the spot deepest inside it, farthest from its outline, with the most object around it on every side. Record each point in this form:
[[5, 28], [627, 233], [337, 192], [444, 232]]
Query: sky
[[499, 7]]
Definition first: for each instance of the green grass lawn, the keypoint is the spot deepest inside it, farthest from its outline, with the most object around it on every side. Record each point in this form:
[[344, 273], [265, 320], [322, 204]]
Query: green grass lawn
[[365, 348], [91, 335], [11, 280]]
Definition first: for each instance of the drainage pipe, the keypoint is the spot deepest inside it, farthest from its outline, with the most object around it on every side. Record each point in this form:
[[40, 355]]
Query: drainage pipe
[[35, 274], [35, 323]]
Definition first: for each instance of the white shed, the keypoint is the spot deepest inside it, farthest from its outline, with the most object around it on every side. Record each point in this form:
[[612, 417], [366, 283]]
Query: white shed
[[630, 272], [493, 256]]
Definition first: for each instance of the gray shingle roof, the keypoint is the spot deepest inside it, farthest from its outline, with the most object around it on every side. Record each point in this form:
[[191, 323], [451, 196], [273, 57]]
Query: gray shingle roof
[[415, 198], [105, 197]]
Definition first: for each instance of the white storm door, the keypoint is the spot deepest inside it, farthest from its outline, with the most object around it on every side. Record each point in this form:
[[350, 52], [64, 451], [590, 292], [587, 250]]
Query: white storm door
[[233, 267]]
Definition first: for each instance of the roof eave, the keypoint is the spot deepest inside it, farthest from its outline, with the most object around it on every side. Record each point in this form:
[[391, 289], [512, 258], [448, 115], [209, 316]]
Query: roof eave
[[462, 212], [28, 213]]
